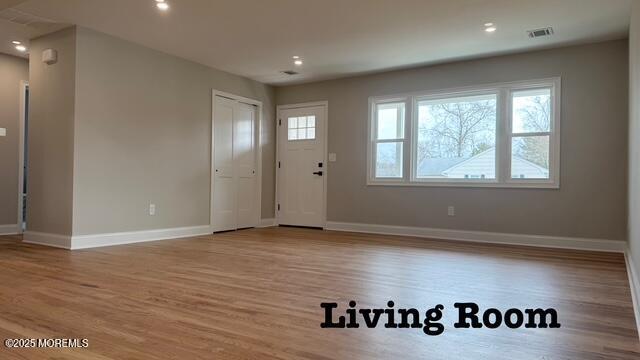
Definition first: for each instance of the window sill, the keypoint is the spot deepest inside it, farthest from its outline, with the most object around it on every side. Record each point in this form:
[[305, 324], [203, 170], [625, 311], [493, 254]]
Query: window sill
[[478, 184]]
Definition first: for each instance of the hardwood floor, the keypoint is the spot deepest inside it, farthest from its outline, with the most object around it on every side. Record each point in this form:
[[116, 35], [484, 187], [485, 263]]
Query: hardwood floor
[[256, 294]]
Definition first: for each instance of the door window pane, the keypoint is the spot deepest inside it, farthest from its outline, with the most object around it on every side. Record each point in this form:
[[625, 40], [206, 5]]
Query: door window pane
[[389, 160], [390, 121], [457, 138], [311, 133], [530, 157], [301, 128], [531, 111], [293, 134]]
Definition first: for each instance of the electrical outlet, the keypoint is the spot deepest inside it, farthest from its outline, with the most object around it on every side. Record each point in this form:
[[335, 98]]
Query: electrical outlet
[[3, 132], [152, 209], [451, 211]]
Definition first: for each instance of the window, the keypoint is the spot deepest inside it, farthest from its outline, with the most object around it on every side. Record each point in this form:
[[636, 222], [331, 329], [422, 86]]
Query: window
[[389, 140], [530, 133], [503, 135], [452, 131], [302, 128]]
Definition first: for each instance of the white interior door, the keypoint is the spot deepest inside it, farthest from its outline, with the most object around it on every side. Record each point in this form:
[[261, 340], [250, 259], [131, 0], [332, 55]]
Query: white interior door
[[235, 185], [244, 152], [302, 167], [224, 188]]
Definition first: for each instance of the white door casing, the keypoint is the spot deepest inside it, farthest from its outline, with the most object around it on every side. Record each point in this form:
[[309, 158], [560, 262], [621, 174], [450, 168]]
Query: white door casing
[[302, 165]]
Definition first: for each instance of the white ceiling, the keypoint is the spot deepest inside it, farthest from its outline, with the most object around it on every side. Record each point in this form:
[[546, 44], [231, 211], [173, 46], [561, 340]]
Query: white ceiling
[[257, 38], [22, 27]]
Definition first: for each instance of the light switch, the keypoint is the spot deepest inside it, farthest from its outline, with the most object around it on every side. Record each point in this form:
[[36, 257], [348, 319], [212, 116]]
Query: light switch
[[451, 211], [3, 132], [333, 157]]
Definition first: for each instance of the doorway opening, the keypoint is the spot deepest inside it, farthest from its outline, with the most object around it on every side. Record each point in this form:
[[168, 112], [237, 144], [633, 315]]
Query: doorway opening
[[23, 156]]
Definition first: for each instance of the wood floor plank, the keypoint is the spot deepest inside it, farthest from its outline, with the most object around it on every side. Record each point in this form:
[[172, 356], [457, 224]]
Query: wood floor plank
[[256, 294]]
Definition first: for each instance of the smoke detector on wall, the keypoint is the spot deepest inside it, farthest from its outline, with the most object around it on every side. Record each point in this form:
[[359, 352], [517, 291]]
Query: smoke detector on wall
[[50, 56], [540, 32]]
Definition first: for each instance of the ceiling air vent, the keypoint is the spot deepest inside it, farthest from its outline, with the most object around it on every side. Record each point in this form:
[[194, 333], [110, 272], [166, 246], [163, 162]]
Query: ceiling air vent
[[21, 18], [540, 32], [289, 72]]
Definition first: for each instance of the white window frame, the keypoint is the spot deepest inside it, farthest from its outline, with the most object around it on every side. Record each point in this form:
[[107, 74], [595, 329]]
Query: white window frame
[[504, 136], [373, 137], [451, 95]]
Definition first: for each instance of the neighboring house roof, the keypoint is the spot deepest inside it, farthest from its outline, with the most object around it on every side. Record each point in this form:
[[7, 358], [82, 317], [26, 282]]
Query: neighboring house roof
[[525, 167], [481, 163], [489, 154], [436, 166]]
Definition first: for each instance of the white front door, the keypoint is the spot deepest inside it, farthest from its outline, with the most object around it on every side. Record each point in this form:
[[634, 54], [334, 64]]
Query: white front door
[[235, 180], [301, 166]]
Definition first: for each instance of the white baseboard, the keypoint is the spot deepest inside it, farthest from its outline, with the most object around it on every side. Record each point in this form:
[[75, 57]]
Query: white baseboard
[[10, 229], [110, 239], [54, 240], [634, 284], [484, 237], [264, 223]]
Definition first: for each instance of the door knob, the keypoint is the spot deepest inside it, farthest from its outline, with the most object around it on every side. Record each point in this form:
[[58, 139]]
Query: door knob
[[319, 173]]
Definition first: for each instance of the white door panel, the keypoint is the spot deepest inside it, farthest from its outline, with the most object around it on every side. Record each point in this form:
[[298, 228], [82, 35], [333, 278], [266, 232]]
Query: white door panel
[[245, 160], [224, 207], [302, 166], [235, 180], [246, 204], [224, 139]]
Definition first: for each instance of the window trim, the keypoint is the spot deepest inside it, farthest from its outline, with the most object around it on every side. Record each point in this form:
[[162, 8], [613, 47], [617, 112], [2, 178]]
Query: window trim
[[374, 141], [504, 136], [414, 135]]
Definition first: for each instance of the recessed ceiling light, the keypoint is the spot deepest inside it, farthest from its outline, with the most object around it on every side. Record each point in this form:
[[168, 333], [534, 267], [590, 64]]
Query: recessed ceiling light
[[296, 57], [298, 62], [488, 24], [162, 6], [491, 29], [16, 42], [21, 48]]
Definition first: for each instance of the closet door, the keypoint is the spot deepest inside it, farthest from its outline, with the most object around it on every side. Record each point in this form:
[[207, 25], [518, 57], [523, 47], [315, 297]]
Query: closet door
[[244, 153], [225, 205], [235, 179]]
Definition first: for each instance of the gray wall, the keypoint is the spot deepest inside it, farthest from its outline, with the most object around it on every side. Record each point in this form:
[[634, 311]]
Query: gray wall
[[592, 200], [634, 137], [143, 134], [51, 119], [13, 70]]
